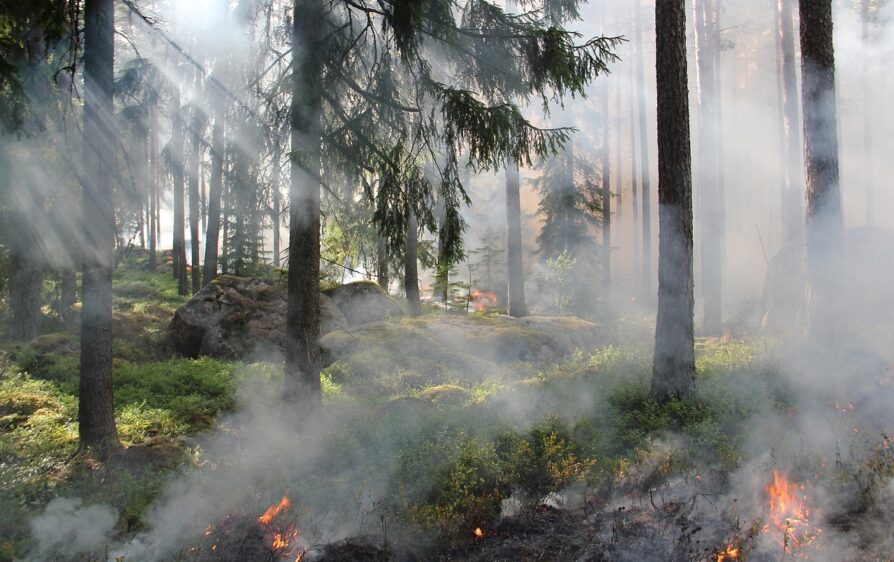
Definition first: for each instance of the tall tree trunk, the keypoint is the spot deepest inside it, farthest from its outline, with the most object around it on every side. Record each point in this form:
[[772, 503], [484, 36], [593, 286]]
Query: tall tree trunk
[[619, 157], [302, 370], [153, 186], [825, 225], [673, 370], [25, 287], [792, 210], [867, 118], [179, 212], [606, 196], [411, 267], [443, 267], [646, 282], [515, 270], [634, 179], [195, 180], [218, 146], [708, 182], [96, 411], [276, 205], [382, 264]]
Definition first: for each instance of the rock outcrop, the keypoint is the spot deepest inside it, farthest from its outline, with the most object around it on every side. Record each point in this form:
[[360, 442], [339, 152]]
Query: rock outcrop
[[235, 317]]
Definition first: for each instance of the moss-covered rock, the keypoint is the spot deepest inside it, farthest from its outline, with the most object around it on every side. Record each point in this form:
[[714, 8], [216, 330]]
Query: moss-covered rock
[[362, 302]]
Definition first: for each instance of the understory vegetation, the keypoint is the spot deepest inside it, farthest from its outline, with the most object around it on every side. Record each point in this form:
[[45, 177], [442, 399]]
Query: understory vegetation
[[447, 453]]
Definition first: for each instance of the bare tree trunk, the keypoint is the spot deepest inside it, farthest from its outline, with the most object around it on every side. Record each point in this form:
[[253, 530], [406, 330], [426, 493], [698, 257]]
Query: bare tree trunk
[[646, 283], [634, 176], [606, 196], [708, 180], [25, 288], [382, 264], [195, 180], [792, 212], [443, 267], [825, 225], [96, 411], [179, 212], [302, 370], [673, 370], [867, 119], [411, 266], [515, 270], [153, 186], [276, 206], [218, 146]]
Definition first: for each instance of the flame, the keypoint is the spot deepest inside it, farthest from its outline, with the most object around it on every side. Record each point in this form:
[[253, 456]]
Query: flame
[[789, 512], [274, 510], [478, 533], [730, 553], [483, 300]]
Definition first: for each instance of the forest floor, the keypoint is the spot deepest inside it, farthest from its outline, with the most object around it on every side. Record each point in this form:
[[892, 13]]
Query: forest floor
[[566, 459]]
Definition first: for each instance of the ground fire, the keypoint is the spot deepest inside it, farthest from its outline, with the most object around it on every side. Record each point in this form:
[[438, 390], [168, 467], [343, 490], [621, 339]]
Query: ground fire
[[482, 300], [272, 536], [789, 513]]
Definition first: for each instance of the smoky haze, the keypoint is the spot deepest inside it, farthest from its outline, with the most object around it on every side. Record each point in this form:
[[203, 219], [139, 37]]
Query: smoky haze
[[255, 455]]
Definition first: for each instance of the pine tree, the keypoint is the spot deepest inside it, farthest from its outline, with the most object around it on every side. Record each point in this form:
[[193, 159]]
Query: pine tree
[[96, 412], [673, 369]]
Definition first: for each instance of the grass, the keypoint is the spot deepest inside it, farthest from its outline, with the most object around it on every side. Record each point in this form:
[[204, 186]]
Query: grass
[[443, 459]]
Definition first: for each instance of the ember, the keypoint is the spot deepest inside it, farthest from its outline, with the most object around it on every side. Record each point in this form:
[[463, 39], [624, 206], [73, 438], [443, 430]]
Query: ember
[[478, 533], [483, 301]]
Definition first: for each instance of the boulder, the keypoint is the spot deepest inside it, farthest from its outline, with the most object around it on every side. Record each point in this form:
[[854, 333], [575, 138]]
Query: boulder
[[362, 302], [234, 317]]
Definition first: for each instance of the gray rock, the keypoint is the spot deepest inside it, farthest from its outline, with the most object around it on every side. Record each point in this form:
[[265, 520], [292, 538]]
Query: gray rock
[[362, 302]]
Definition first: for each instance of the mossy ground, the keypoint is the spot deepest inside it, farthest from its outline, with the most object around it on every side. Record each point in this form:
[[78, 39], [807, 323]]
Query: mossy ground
[[447, 446]]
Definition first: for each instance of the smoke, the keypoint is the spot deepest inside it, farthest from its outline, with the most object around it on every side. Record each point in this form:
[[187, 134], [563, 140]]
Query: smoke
[[67, 526]]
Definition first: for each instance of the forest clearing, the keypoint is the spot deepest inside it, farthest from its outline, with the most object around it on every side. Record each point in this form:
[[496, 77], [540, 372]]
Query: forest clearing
[[486, 280]]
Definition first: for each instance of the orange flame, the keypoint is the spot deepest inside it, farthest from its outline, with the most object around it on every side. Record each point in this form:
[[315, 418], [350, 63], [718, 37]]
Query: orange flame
[[478, 533], [730, 553], [274, 510], [789, 512], [483, 300]]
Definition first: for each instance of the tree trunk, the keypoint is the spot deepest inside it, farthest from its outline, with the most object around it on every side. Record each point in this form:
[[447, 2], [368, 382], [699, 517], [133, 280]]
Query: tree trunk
[[606, 197], [25, 288], [443, 267], [792, 210], [825, 226], [867, 118], [646, 282], [673, 370], [276, 207], [634, 180], [411, 268], [218, 146], [708, 181], [302, 370], [382, 264], [96, 412], [179, 212], [195, 180], [153, 186], [515, 270]]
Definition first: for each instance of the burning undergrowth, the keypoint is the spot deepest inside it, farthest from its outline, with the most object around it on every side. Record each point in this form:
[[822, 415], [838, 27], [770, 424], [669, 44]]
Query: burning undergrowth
[[761, 465]]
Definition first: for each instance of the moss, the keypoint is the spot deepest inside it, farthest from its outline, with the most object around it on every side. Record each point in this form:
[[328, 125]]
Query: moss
[[446, 394]]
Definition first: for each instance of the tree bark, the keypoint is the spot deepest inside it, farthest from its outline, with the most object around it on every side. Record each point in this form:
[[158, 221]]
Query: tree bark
[[673, 370], [382, 264], [25, 288], [96, 412], [606, 197], [825, 225], [792, 210], [868, 162], [195, 180], [179, 212], [708, 170], [153, 186], [411, 267], [515, 270], [646, 281], [276, 205], [634, 179], [302, 347], [215, 189]]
